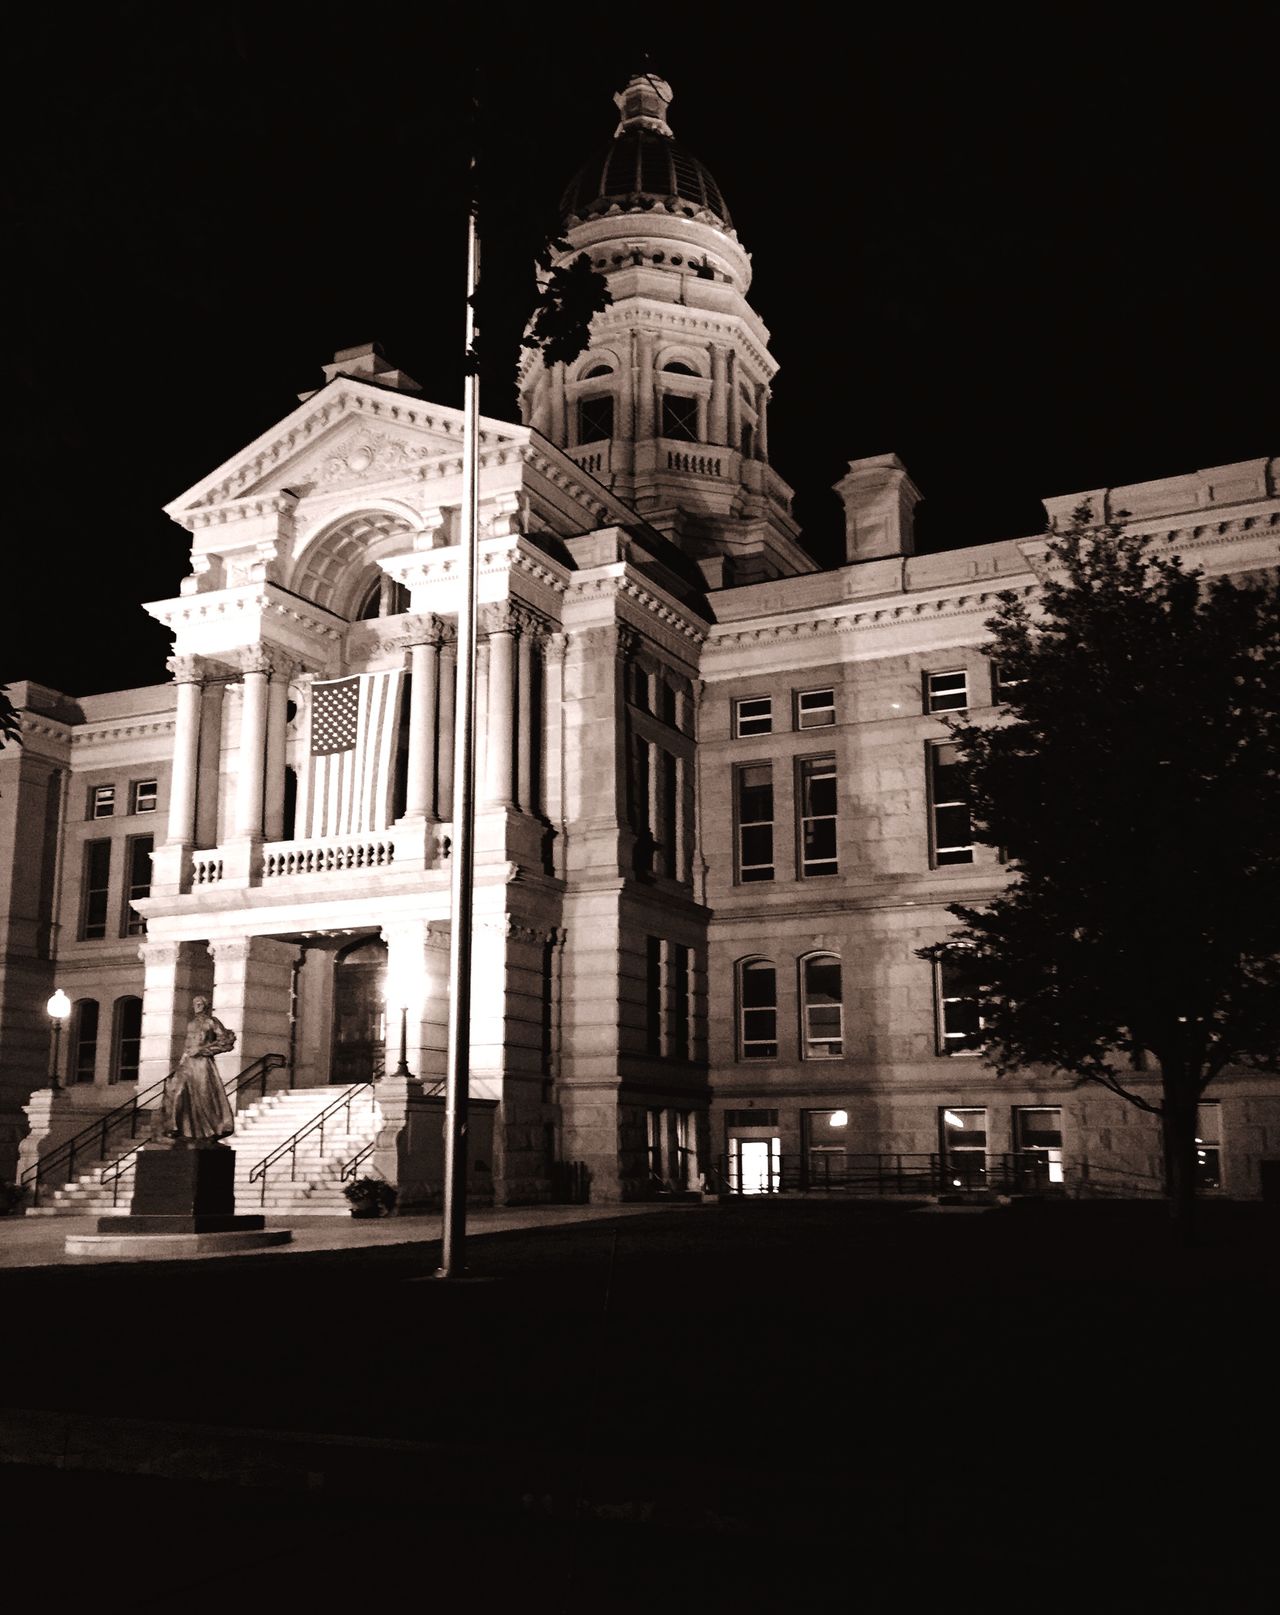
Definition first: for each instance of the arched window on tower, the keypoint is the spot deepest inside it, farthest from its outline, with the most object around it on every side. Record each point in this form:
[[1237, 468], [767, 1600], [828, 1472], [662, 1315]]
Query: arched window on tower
[[680, 417], [678, 368], [748, 440], [595, 418]]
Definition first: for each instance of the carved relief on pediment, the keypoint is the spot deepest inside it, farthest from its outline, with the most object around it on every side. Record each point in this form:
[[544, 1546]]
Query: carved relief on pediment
[[364, 453]]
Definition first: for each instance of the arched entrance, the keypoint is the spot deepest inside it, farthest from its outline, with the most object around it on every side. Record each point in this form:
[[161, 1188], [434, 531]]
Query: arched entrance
[[359, 1012]]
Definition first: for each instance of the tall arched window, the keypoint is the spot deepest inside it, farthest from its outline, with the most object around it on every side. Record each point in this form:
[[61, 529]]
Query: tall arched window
[[822, 1007], [84, 1039], [757, 1010], [126, 1039]]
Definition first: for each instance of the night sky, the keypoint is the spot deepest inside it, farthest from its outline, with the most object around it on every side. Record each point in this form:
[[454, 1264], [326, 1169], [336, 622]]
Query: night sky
[[1030, 257]]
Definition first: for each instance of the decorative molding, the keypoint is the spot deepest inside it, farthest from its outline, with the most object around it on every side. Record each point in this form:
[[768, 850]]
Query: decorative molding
[[101, 733], [420, 629], [186, 669], [878, 617]]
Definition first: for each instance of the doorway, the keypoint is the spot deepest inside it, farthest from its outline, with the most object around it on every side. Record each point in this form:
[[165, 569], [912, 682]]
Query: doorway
[[359, 1012], [755, 1165]]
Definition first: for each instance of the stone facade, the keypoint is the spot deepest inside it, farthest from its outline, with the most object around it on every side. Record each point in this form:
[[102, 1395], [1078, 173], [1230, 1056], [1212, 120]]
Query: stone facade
[[654, 644]]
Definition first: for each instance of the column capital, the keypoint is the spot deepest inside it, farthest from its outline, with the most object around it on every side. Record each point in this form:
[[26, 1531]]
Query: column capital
[[160, 953], [530, 623], [186, 669], [257, 659], [424, 628], [499, 617]]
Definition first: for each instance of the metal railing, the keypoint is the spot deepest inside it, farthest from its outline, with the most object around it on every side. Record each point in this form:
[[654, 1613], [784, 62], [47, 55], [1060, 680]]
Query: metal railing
[[61, 1163], [357, 1092], [252, 1075], [895, 1173], [356, 1162]]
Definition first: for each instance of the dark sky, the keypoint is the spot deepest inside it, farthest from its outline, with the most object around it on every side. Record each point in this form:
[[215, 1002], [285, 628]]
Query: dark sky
[[1030, 255]]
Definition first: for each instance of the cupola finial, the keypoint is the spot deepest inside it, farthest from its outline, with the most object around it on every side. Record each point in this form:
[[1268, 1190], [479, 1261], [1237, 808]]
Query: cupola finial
[[643, 104]]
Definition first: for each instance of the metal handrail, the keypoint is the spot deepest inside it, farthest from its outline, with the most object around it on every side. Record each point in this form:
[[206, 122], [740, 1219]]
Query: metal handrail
[[902, 1172], [344, 1101], [70, 1147], [258, 1070], [357, 1161]]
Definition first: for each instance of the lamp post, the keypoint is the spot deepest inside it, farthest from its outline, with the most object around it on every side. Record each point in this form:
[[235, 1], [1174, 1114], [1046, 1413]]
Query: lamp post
[[58, 1007], [402, 1070]]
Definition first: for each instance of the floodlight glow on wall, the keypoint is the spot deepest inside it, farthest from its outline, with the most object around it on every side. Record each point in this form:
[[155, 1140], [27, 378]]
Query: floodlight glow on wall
[[839, 1118]]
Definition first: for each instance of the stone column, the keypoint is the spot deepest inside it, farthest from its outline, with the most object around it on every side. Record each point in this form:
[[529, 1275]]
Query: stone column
[[173, 972], [735, 404], [210, 769], [252, 995], [424, 653], [762, 422], [277, 724], [644, 385], [444, 751], [718, 418], [256, 667], [187, 676], [500, 719], [684, 818], [558, 414], [526, 728], [302, 807]]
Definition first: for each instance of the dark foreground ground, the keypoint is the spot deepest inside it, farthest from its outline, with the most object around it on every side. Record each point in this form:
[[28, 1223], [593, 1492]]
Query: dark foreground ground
[[753, 1407]]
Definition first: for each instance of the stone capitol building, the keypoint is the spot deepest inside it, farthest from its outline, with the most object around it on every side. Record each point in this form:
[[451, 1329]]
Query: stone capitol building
[[717, 811]]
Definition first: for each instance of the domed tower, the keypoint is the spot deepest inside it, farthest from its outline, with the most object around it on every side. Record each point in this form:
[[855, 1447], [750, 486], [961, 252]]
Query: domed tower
[[669, 405]]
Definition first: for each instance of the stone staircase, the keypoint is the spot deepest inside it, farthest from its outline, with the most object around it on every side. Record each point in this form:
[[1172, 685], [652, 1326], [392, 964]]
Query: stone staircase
[[315, 1190]]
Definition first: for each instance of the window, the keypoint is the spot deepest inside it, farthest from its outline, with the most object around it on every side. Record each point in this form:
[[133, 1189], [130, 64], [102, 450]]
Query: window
[[126, 1040], [102, 802], [964, 1147], [826, 1150], [653, 994], [84, 1039], [748, 440], [946, 692], [758, 997], [137, 882], [959, 1008], [815, 709], [142, 796], [1209, 1146], [951, 834], [818, 817], [822, 1007], [753, 716], [1037, 1131], [93, 897], [680, 417], [755, 822], [595, 418], [676, 368], [597, 370], [679, 1043], [1001, 684]]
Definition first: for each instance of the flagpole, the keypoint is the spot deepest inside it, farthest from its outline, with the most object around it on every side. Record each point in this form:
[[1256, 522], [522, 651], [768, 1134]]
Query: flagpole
[[458, 1066]]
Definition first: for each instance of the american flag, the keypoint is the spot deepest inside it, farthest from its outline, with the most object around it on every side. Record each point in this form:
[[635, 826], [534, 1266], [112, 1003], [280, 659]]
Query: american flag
[[354, 727]]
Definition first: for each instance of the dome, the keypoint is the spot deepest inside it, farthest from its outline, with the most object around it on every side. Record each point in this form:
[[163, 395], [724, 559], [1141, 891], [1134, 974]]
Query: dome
[[643, 166]]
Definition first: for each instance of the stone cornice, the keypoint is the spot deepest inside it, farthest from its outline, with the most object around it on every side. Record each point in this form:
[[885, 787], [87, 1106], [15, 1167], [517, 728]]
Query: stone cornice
[[50, 728], [97, 733], [865, 617], [235, 510], [653, 605], [224, 604]]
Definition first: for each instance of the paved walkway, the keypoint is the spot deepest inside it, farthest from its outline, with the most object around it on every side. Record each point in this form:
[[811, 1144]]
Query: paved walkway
[[41, 1241]]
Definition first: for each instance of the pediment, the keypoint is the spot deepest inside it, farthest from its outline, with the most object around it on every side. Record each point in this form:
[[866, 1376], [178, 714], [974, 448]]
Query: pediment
[[349, 433]]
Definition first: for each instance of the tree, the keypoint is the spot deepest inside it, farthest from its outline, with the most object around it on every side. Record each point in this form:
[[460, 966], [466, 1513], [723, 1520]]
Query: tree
[[10, 728], [1133, 781]]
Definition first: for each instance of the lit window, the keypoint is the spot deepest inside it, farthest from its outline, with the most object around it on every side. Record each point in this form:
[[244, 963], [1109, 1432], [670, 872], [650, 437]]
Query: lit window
[[84, 1040], [959, 1008], [680, 417], [815, 709], [823, 1009], [946, 692], [951, 833], [1209, 1146], [102, 801], [1038, 1136], [126, 1040], [754, 716], [137, 882], [755, 822], [818, 817], [964, 1147], [95, 880], [142, 796], [595, 418], [758, 999]]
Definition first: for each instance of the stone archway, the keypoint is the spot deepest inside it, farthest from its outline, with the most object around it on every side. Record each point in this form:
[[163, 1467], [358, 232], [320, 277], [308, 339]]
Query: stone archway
[[359, 1012], [338, 565]]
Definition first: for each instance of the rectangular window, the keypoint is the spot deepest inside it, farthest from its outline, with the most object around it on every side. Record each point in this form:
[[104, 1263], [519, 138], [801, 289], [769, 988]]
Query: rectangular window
[[815, 709], [84, 1040], [753, 716], [678, 957], [818, 817], [826, 1149], [1037, 1131], [1001, 684], [1209, 1146], [653, 994], [142, 796], [946, 692], [102, 802], [755, 822], [959, 1009], [595, 419], [951, 833], [126, 1040], [964, 1147], [680, 418], [137, 882], [95, 880], [758, 987]]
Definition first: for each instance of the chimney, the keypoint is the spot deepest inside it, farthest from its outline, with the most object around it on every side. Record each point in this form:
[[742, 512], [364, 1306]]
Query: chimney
[[366, 362], [879, 508]]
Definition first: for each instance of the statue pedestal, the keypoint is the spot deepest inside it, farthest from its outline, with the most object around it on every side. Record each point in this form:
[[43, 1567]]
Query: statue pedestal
[[184, 1203]]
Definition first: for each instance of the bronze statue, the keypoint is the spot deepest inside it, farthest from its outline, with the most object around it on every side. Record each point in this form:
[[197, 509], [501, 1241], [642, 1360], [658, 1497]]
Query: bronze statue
[[195, 1108]]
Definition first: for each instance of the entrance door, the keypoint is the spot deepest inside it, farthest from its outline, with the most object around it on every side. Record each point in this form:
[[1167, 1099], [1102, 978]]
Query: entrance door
[[359, 1013], [753, 1165]]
